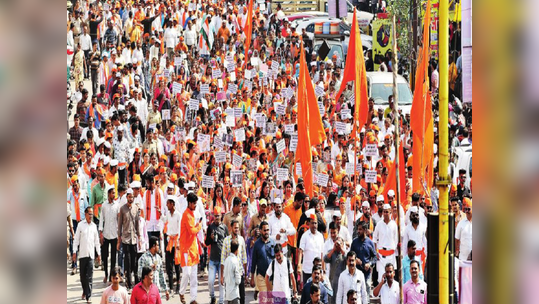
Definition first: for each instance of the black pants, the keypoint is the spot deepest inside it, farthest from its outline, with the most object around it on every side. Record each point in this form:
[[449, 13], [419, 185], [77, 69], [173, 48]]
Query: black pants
[[242, 289], [86, 276], [122, 176], [306, 277], [137, 279], [93, 77], [75, 225], [105, 255], [130, 256], [171, 267]]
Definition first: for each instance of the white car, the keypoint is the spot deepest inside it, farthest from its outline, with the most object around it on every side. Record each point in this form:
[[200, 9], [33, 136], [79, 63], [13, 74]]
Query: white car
[[463, 160], [380, 85]]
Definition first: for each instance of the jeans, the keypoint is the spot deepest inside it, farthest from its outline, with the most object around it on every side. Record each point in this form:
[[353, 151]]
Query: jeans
[[242, 290], [121, 258], [105, 254], [213, 271], [93, 77], [86, 276]]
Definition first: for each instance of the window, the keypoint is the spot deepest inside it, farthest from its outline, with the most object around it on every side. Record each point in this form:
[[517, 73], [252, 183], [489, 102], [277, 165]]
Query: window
[[381, 91], [310, 28]]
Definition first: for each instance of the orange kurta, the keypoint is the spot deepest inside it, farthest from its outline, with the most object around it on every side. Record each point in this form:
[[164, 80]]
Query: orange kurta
[[188, 239], [294, 216]]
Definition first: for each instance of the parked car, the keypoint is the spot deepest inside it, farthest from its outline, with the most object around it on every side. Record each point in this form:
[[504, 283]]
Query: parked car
[[380, 85]]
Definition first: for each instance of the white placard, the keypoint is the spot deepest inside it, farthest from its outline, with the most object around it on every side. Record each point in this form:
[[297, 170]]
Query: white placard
[[232, 75], [321, 108], [229, 58], [247, 74], [228, 139], [236, 176], [208, 182], [271, 129], [282, 174], [220, 83], [370, 176], [289, 129], [220, 156], [318, 91], [204, 103], [167, 73], [293, 142], [193, 104], [231, 67], [248, 85], [274, 66], [340, 127], [251, 164], [240, 134], [322, 179], [218, 143], [237, 112], [165, 114], [204, 88], [178, 61], [281, 145], [232, 88], [298, 169], [216, 73], [371, 150], [229, 112], [346, 114], [280, 109], [260, 119], [230, 121], [176, 88], [237, 160], [254, 61], [203, 142], [349, 168]]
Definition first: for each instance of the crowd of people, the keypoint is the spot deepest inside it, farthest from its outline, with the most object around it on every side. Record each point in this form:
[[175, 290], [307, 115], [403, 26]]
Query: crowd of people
[[182, 162]]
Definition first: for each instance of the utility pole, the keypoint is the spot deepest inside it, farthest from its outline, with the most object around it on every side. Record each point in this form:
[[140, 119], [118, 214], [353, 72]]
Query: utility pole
[[413, 8]]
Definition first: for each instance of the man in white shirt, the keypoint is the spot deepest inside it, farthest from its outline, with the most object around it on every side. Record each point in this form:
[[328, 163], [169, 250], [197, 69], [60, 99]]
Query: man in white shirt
[[351, 279], [155, 208], [86, 46], [280, 276], [311, 246], [172, 222], [171, 39], [280, 225], [385, 238], [388, 289], [415, 203], [232, 274], [463, 235], [85, 244], [190, 35], [108, 231], [417, 232]]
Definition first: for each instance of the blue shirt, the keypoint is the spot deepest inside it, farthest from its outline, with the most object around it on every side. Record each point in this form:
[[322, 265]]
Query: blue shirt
[[406, 276], [305, 294], [365, 251], [262, 256]]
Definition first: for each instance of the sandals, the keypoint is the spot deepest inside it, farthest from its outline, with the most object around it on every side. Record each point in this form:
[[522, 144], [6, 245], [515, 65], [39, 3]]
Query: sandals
[[182, 299]]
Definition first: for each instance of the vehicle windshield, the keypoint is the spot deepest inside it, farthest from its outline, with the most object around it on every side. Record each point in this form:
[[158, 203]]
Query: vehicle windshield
[[381, 91]]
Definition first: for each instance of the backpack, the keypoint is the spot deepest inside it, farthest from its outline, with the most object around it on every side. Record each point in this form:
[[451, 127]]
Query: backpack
[[273, 272]]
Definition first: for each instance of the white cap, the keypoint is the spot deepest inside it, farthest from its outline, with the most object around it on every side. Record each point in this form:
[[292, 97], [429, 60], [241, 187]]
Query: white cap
[[391, 193], [108, 188], [120, 129], [114, 163], [99, 141], [380, 198], [386, 207], [129, 191], [309, 212], [107, 144], [173, 198], [190, 185], [106, 160], [414, 209], [135, 184], [170, 185], [278, 201], [118, 74], [365, 204]]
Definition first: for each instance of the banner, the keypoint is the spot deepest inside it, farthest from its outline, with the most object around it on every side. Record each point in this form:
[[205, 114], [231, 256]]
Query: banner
[[382, 40], [434, 29]]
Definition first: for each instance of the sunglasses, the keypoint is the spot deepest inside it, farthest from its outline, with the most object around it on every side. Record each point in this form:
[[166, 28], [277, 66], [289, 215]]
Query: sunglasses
[[244, 205], [467, 209]]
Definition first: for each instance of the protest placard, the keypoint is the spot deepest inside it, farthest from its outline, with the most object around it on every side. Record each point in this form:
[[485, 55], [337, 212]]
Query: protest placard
[[208, 182], [216, 73], [237, 112], [203, 142], [281, 146], [340, 127], [321, 108], [204, 88], [322, 179], [240, 134], [282, 174], [237, 160], [371, 150], [178, 61], [166, 114], [193, 104], [293, 142], [349, 168], [176, 88], [346, 114], [289, 129], [318, 91], [232, 88], [220, 157], [298, 169], [236, 176], [280, 109], [370, 176]]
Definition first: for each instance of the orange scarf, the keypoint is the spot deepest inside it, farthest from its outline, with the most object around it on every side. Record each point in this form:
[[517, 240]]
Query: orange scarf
[[86, 170], [149, 203], [77, 206]]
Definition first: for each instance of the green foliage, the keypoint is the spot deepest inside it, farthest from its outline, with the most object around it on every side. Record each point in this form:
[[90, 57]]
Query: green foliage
[[401, 10]]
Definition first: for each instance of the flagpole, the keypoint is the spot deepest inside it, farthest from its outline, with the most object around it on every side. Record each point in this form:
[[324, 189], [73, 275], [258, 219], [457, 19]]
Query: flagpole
[[443, 149], [397, 138]]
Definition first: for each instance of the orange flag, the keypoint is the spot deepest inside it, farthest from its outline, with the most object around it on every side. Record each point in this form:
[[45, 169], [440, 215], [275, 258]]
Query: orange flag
[[316, 128], [248, 28], [361, 108], [419, 114], [303, 150], [391, 181]]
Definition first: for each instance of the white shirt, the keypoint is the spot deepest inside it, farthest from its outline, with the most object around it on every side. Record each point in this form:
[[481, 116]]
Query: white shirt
[[85, 42], [281, 278], [422, 217], [312, 246], [276, 224], [171, 36], [390, 295], [190, 37], [232, 277], [153, 223], [108, 223], [86, 241], [173, 220], [418, 235], [386, 235], [464, 234], [356, 282]]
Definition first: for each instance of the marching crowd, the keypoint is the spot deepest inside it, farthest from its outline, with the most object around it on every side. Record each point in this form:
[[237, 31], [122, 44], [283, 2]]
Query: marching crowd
[[182, 162]]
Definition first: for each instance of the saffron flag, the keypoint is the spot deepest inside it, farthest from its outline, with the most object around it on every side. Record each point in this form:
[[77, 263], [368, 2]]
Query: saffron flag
[[248, 28], [391, 181], [316, 128], [303, 150]]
